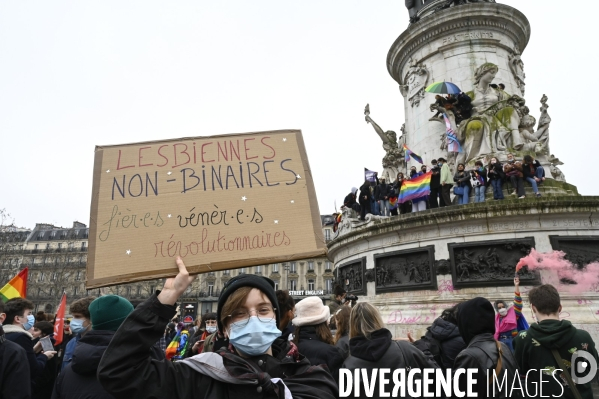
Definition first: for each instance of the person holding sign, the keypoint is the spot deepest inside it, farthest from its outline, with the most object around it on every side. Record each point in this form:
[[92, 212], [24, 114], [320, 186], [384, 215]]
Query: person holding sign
[[257, 363]]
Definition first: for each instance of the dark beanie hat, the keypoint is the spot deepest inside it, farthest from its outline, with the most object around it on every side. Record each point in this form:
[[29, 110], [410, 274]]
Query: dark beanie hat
[[475, 317], [108, 312], [264, 284]]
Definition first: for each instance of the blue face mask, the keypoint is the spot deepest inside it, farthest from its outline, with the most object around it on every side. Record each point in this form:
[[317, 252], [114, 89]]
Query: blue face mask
[[77, 326], [30, 322], [255, 337]]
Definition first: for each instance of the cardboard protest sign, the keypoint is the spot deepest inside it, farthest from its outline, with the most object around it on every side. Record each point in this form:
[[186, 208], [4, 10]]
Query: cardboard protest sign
[[219, 202]]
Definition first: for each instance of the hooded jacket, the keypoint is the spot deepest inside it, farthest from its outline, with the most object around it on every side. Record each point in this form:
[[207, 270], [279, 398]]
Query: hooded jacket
[[126, 371], [14, 370], [450, 339], [78, 380], [477, 326], [380, 352], [533, 351], [319, 352], [22, 338]]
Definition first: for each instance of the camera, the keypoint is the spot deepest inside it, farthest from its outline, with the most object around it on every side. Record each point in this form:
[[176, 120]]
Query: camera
[[352, 298]]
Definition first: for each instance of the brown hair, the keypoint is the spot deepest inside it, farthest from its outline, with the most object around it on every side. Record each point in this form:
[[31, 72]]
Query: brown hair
[[81, 306], [323, 333], [545, 298], [364, 320], [16, 307], [45, 327], [237, 300], [342, 322]]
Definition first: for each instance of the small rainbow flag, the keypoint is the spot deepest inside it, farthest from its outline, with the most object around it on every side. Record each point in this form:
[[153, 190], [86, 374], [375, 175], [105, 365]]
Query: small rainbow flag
[[415, 188], [15, 288], [409, 153]]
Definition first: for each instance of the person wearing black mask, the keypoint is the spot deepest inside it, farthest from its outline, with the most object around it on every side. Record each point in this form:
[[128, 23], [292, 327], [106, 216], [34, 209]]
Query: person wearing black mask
[[476, 323], [381, 194]]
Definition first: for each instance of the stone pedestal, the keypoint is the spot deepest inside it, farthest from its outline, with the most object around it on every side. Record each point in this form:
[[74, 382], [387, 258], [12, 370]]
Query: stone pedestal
[[448, 46], [413, 266]]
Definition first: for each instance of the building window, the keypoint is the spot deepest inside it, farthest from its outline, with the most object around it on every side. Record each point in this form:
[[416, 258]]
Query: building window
[[210, 289], [75, 290], [78, 276], [35, 247], [40, 236], [83, 245], [47, 245], [242, 270], [276, 285], [71, 246], [310, 285], [54, 276], [293, 285], [327, 234], [128, 291], [41, 278], [328, 265], [152, 289], [59, 245], [52, 235], [139, 290], [293, 268], [310, 266], [52, 291], [258, 269], [226, 272], [329, 284], [275, 268]]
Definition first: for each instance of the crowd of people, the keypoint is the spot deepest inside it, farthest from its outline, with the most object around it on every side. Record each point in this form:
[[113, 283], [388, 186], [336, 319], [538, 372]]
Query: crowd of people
[[381, 198], [259, 343]]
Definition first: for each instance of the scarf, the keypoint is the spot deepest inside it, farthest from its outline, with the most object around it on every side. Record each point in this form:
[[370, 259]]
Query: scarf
[[505, 324]]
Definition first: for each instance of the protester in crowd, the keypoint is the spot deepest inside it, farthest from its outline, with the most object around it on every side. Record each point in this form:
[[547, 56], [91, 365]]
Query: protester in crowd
[[495, 177], [42, 329], [79, 380], [462, 187], [248, 315], [287, 311], [15, 377], [478, 180], [485, 354], [381, 194], [442, 339], [207, 327], [338, 299], [404, 207], [446, 182], [342, 333], [507, 319], [550, 344], [44, 384], [534, 173], [371, 347], [40, 316], [80, 325], [312, 335], [365, 200], [19, 321], [376, 209], [513, 171], [434, 197], [419, 204], [350, 200]]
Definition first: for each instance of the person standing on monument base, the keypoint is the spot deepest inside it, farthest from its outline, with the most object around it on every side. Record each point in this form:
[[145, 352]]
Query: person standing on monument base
[[552, 341], [365, 200], [495, 177], [258, 363], [381, 195], [434, 197], [462, 180], [446, 182]]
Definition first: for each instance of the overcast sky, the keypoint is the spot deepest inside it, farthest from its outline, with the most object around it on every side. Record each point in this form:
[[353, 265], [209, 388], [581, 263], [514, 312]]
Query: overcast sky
[[76, 74]]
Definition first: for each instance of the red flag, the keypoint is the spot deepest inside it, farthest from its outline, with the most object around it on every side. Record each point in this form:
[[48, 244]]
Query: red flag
[[59, 321]]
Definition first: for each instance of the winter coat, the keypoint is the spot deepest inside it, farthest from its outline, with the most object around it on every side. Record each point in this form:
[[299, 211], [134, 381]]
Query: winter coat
[[14, 371], [436, 177], [126, 371], [513, 169], [462, 179], [379, 352], [78, 380], [319, 352], [343, 345], [482, 354], [533, 351], [446, 175], [365, 192], [350, 200], [450, 340], [495, 172], [22, 338], [381, 191], [69, 350]]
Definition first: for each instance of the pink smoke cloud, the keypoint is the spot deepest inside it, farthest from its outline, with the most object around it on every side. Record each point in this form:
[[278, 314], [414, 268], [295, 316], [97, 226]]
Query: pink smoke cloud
[[586, 279]]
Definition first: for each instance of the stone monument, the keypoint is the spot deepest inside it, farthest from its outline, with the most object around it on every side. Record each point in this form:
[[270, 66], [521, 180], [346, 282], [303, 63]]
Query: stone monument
[[415, 265]]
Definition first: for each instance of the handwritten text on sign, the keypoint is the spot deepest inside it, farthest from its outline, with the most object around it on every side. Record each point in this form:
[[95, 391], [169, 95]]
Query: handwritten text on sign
[[222, 202]]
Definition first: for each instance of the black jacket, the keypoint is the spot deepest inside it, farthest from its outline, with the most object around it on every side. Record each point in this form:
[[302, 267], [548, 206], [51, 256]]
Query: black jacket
[[14, 371], [343, 345], [365, 192], [462, 179], [495, 172], [381, 191], [482, 354], [382, 352], [78, 380], [530, 170], [319, 352], [450, 341], [126, 371], [436, 177], [22, 338], [350, 200]]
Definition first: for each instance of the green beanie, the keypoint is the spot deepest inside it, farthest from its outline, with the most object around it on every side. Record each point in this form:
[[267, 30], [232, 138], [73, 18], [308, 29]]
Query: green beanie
[[108, 312]]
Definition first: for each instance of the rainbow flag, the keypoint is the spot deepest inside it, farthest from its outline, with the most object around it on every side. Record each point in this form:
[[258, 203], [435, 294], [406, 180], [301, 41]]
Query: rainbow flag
[[409, 153], [415, 188], [15, 288]]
